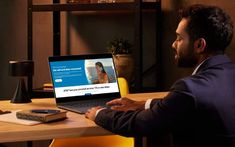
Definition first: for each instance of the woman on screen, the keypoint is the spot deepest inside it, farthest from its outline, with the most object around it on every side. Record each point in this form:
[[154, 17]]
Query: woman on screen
[[102, 75]]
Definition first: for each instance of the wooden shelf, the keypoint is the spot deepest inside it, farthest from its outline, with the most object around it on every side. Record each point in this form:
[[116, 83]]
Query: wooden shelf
[[94, 6], [137, 8], [39, 92]]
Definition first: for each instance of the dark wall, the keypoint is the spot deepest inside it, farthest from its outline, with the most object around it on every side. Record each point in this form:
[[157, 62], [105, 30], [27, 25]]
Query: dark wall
[[12, 41]]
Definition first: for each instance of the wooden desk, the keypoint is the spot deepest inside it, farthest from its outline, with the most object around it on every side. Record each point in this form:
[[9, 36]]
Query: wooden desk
[[76, 125]]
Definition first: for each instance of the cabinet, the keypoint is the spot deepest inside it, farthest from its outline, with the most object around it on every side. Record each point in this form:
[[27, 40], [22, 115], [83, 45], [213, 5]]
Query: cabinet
[[137, 7]]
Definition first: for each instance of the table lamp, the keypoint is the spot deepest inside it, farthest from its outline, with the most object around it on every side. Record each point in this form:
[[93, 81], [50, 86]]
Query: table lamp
[[21, 69]]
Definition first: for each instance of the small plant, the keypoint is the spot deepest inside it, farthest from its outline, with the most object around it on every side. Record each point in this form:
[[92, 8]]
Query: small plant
[[119, 46]]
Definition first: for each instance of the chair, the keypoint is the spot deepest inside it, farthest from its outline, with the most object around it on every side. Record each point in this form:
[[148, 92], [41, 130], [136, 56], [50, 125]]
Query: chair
[[99, 141]]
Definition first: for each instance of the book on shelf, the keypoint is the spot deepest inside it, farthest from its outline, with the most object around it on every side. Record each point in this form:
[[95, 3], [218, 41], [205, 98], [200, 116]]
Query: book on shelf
[[42, 115], [48, 87]]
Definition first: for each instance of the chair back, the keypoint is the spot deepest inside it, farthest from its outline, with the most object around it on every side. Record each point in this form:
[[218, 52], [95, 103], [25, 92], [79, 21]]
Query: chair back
[[123, 85]]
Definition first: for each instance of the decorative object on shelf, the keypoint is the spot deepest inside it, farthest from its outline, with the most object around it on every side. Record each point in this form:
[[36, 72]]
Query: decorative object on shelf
[[106, 1], [124, 1], [98, 1], [79, 1], [124, 63], [48, 86], [21, 69], [149, 0]]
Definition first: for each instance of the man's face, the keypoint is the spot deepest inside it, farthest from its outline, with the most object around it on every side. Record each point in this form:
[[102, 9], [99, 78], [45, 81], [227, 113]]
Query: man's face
[[183, 47]]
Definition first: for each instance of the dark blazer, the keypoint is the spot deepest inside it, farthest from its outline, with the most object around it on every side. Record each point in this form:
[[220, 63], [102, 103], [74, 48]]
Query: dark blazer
[[199, 110]]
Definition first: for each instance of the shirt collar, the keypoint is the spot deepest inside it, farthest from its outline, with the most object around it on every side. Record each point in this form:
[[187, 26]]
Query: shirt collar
[[196, 69]]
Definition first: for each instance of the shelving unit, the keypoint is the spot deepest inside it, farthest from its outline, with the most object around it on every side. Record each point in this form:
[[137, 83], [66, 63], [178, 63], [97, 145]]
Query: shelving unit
[[137, 6]]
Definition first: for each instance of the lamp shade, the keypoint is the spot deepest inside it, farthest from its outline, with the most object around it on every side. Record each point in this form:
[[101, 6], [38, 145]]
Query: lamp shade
[[21, 68]]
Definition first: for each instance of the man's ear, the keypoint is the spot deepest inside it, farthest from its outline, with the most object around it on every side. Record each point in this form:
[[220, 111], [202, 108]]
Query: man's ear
[[199, 45]]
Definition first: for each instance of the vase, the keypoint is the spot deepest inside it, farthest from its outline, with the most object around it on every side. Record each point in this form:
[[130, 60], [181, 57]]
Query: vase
[[124, 64]]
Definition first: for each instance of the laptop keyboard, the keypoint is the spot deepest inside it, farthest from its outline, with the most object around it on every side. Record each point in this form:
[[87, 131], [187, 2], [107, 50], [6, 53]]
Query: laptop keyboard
[[84, 105]]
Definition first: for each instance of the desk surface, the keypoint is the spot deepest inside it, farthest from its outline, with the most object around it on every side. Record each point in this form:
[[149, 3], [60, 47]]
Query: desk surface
[[76, 125]]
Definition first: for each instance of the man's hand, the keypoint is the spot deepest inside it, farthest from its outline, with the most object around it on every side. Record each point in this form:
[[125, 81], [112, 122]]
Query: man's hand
[[125, 104], [91, 113]]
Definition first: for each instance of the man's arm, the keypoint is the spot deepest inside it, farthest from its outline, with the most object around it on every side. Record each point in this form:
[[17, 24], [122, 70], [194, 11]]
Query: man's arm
[[175, 109], [164, 114]]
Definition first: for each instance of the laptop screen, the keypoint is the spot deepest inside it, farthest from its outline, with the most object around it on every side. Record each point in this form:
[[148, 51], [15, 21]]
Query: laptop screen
[[83, 75]]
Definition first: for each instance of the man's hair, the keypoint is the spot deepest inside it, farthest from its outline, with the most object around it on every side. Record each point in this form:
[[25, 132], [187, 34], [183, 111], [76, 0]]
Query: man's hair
[[210, 23]]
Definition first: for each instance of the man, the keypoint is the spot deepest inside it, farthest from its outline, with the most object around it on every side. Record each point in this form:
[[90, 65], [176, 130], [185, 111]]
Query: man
[[200, 109]]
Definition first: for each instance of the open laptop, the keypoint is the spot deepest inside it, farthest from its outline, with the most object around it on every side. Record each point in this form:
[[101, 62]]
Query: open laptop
[[79, 84]]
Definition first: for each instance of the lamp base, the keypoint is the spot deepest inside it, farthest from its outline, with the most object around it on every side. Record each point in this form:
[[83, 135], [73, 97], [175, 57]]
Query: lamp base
[[21, 95]]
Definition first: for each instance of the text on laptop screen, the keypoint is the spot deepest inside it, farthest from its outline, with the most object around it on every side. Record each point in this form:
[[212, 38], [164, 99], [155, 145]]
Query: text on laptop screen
[[83, 77]]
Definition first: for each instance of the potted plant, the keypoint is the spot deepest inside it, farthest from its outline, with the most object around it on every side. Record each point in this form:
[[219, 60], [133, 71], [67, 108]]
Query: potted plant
[[124, 63]]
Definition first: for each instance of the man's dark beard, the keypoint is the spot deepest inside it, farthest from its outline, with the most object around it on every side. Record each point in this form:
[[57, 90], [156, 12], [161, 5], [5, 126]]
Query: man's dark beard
[[189, 62]]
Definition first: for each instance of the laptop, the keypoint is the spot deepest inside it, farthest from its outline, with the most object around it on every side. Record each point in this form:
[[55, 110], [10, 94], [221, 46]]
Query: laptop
[[83, 81]]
